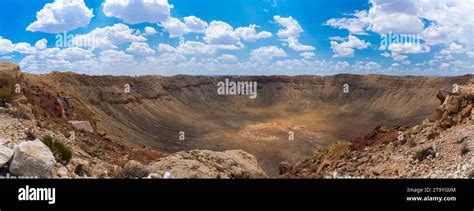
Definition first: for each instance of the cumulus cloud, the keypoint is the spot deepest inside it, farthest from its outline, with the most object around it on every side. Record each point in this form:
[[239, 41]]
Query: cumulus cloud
[[138, 11], [6, 46], [24, 48], [227, 58], [346, 48], [453, 49], [140, 48], [174, 27], [294, 44], [60, 16], [307, 55], [110, 36], [291, 27], [221, 33], [41, 44], [195, 24], [439, 22], [291, 32], [353, 25], [149, 31], [250, 33], [408, 48], [267, 53]]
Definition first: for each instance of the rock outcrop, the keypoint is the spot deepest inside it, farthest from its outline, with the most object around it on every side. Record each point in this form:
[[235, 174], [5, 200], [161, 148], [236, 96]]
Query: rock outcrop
[[32, 158], [440, 147], [5, 155], [208, 164]]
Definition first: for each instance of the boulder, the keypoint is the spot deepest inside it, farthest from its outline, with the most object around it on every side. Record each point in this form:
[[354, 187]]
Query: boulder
[[82, 126], [452, 103], [442, 94], [465, 112], [467, 92], [134, 169], [208, 164], [32, 158], [6, 155], [284, 167]]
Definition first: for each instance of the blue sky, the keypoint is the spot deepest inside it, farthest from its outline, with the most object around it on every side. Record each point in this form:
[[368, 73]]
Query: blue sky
[[239, 37]]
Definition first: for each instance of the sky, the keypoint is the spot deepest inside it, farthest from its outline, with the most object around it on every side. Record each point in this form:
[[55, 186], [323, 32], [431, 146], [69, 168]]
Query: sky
[[239, 37]]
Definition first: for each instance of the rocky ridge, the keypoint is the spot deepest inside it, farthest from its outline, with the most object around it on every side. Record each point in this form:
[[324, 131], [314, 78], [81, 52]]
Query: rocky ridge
[[24, 151], [440, 147]]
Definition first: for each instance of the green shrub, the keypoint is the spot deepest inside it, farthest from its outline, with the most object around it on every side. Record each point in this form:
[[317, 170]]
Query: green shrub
[[60, 151]]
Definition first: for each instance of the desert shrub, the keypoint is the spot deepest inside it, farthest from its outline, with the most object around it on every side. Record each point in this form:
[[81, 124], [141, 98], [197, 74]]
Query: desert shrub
[[464, 149], [60, 151], [471, 174], [30, 136], [424, 153], [19, 114], [433, 135]]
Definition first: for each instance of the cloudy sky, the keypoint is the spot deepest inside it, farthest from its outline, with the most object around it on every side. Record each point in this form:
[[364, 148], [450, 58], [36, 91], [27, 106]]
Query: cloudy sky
[[239, 37]]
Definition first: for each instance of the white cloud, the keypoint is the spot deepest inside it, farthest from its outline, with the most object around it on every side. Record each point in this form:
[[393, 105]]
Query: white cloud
[[291, 32], [453, 49], [267, 53], [138, 11], [438, 21], [346, 48], [24, 48], [444, 66], [408, 48], [110, 36], [250, 34], [174, 27], [221, 33], [165, 48], [307, 55], [75, 54], [41, 44], [294, 44], [150, 31], [291, 27], [353, 25], [177, 28], [194, 48], [60, 16], [195, 24], [6, 46], [227, 58], [385, 54], [140, 48], [115, 57], [399, 57]]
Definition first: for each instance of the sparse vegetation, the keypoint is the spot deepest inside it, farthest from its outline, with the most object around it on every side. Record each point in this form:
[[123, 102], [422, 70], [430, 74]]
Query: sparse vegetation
[[432, 135], [424, 153], [60, 151], [464, 150], [30, 135], [471, 174], [20, 115]]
